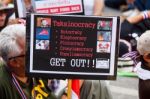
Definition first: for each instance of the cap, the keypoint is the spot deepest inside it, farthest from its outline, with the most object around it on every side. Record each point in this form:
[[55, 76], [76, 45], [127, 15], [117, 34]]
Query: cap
[[143, 43]]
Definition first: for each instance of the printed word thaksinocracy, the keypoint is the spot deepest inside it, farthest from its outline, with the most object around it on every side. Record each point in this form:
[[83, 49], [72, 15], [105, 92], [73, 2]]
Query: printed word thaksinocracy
[[74, 24]]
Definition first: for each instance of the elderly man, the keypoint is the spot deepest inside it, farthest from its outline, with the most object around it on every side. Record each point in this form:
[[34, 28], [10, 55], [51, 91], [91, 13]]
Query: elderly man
[[14, 84]]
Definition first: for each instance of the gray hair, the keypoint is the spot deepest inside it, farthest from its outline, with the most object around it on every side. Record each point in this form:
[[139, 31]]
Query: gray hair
[[9, 40]]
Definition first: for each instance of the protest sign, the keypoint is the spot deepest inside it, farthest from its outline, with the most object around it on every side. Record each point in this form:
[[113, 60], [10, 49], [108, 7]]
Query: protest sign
[[65, 46], [59, 6], [48, 7]]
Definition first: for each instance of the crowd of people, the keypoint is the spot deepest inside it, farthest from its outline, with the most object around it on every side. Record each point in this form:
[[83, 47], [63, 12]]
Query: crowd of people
[[134, 36], [135, 30]]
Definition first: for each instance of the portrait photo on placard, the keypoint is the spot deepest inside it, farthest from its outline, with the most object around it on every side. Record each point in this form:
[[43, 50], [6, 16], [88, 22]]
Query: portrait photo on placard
[[43, 22]]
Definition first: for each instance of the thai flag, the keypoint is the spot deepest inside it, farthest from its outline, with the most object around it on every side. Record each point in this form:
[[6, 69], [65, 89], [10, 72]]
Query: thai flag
[[75, 89]]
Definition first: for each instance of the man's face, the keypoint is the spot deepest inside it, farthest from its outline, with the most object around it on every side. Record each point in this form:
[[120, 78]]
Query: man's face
[[17, 62], [2, 18]]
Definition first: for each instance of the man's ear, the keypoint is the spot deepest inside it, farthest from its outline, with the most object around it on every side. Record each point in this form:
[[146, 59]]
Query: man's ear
[[147, 57]]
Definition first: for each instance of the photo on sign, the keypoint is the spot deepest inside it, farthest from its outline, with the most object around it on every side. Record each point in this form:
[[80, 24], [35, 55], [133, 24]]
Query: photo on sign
[[104, 25], [42, 45], [23, 7], [43, 22], [42, 33], [103, 47], [104, 36], [102, 63]]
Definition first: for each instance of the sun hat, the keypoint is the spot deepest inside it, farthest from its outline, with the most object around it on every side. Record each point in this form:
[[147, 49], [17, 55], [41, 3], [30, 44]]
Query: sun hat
[[143, 43], [7, 8]]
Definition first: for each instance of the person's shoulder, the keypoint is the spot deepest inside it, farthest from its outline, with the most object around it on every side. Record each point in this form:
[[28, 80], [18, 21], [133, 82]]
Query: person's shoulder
[[4, 75], [1, 69], [52, 96], [92, 82]]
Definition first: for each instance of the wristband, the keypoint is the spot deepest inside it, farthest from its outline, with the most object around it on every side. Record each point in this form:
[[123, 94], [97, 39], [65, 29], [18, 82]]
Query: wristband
[[145, 15]]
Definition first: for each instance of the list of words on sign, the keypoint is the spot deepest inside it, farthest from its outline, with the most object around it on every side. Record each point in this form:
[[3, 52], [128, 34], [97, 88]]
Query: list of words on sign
[[72, 43]]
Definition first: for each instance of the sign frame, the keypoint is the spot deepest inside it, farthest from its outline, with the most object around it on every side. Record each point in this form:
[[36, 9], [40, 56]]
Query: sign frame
[[31, 35]]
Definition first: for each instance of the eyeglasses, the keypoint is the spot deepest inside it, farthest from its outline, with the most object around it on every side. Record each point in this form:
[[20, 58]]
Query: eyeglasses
[[19, 56]]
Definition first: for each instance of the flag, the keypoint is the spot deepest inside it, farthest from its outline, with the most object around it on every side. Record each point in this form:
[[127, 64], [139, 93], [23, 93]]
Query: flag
[[75, 89]]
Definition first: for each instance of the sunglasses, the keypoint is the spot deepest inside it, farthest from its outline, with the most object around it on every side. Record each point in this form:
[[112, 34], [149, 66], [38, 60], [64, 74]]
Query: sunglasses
[[19, 56]]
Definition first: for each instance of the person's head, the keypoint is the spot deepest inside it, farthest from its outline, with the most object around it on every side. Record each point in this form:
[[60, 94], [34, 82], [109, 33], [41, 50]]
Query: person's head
[[12, 48], [5, 13], [143, 46]]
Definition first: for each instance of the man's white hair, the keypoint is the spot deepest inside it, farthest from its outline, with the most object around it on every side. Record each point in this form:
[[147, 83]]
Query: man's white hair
[[9, 40]]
